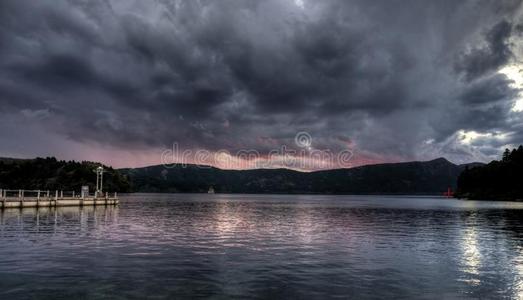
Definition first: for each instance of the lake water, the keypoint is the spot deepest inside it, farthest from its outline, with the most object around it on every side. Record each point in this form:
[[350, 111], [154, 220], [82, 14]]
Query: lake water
[[266, 247]]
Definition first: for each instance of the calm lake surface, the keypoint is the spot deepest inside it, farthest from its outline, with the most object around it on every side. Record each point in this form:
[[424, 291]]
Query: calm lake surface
[[264, 246]]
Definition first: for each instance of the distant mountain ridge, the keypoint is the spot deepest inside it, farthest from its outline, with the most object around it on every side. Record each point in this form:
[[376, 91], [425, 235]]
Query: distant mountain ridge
[[429, 177]]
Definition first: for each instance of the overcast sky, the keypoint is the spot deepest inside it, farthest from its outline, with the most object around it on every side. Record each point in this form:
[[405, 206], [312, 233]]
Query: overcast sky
[[121, 81]]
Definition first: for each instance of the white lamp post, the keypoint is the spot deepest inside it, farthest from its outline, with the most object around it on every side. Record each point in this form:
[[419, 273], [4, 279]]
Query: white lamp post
[[99, 179]]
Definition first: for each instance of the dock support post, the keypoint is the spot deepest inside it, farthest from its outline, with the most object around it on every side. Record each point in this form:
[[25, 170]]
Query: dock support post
[[62, 195], [38, 199]]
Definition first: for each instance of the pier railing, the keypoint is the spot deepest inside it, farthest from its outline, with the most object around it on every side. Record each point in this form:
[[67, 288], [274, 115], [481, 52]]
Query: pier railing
[[53, 198]]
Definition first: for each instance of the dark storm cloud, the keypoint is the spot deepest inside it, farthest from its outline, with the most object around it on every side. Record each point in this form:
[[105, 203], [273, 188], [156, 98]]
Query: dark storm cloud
[[489, 91], [493, 55], [388, 76]]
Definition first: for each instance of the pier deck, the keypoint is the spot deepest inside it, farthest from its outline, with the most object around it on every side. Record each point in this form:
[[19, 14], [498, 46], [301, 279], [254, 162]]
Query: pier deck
[[35, 198]]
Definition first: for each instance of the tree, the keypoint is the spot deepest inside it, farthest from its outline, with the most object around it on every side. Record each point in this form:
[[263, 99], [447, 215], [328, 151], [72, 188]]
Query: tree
[[506, 155]]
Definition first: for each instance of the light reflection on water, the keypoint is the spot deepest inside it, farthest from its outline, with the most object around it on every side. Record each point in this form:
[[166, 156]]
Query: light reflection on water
[[264, 246], [471, 262]]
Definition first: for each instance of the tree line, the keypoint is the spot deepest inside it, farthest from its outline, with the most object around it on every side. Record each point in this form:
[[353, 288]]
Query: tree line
[[52, 174], [498, 180]]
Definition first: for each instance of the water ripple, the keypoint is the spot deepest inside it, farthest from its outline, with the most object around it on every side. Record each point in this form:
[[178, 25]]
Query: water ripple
[[264, 246]]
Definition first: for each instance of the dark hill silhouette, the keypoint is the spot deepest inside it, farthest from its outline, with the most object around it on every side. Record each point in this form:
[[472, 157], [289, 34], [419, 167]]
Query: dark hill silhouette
[[52, 174], [430, 177], [499, 180]]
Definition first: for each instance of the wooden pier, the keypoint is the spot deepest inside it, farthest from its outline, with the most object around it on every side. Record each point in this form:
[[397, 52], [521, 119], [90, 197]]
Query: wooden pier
[[38, 198]]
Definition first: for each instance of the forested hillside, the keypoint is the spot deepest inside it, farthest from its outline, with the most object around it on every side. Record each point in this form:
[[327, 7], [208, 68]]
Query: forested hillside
[[499, 180], [52, 174], [431, 177]]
